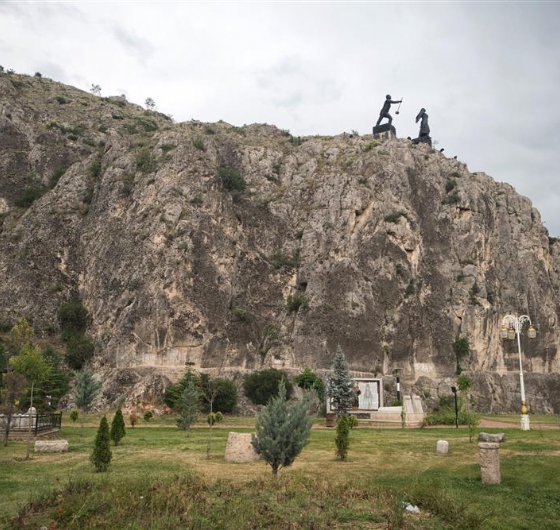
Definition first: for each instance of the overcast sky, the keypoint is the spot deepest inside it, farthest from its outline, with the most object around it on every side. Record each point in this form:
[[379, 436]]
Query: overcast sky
[[488, 73]]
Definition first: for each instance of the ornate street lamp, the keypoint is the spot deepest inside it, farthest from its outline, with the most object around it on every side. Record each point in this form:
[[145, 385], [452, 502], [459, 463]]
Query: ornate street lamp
[[512, 326]]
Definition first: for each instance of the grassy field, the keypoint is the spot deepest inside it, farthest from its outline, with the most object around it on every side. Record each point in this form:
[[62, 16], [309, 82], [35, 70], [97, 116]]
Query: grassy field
[[160, 478]]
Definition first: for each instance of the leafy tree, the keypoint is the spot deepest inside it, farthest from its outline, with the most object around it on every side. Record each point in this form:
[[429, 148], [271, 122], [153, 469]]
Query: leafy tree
[[86, 390], [12, 390], [118, 431], [190, 405], [72, 317], [342, 439], [32, 365], [309, 380], [340, 387], [20, 335], [95, 90], [150, 104], [79, 351], [57, 384], [262, 385], [225, 393], [462, 349], [101, 455], [282, 430]]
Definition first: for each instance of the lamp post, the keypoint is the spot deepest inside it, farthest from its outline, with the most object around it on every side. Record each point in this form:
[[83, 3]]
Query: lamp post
[[512, 326], [454, 390]]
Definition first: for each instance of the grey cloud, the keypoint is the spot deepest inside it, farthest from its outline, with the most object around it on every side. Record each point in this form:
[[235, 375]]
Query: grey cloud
[[142, 48]]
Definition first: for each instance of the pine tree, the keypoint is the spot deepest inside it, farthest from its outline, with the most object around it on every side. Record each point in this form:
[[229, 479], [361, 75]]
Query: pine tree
[[340, 387], [86, 389], [101, 455], [342, 439], [118, 431], [282, 430], [190, 404]]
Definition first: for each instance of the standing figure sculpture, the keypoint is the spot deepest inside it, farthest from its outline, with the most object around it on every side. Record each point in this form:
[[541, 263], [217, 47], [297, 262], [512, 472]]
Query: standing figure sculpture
[[384, 112], [424, 135]]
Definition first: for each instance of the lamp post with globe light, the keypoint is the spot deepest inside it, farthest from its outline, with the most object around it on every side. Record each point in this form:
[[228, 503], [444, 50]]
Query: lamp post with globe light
[[512, 326]]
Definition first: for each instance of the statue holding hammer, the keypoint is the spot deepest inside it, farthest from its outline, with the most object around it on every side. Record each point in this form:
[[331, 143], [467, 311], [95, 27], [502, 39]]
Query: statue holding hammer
[[384, 113]]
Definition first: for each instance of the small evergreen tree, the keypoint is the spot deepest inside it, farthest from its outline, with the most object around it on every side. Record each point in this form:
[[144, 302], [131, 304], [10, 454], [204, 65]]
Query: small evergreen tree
[[282, 430], [86, 390], [118, 431], [342, 439], [190, 405], [101, 455], [340, 387]]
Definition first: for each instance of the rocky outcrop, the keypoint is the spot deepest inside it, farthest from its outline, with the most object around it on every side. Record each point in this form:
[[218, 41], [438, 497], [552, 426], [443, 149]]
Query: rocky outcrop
[[227, 248]]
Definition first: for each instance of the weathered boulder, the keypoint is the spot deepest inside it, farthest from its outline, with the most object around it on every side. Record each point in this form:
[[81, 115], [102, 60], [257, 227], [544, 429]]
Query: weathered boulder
[[239, 448], [51, 446]]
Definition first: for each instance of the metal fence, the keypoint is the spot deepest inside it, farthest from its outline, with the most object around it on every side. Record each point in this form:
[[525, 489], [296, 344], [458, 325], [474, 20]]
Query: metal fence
[[39, 422]]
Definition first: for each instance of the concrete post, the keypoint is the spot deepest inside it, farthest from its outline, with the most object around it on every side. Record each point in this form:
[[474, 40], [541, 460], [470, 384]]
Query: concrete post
[[490, 462]]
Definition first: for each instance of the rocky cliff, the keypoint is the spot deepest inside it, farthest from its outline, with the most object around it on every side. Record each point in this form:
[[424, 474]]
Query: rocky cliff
[[230, 248]]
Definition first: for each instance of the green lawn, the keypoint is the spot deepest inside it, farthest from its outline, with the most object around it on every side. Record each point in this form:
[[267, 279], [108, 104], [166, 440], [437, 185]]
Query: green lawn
[[387, 466]]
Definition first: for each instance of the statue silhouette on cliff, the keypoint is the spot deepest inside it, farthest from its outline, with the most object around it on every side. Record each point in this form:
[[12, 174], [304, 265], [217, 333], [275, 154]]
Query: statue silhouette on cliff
[[384, 112]]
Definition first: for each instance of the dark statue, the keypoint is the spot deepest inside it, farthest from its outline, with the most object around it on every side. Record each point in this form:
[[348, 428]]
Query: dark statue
[[424, 135], [384, 113]]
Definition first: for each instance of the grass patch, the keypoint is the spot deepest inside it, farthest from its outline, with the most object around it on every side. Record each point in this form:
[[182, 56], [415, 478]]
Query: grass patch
[[150, 483]]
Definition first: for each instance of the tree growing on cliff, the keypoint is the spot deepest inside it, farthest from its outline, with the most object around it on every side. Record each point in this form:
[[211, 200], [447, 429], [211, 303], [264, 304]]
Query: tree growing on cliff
[[340, 387], [282, 430], [101, 455], [118, 430], [462, 350]]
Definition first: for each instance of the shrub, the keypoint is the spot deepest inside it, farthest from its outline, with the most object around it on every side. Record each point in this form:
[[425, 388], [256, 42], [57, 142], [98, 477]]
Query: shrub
[[101, 455], [231, 178], [118, 431], [199, 144], [261, 386], [74, 415], [296, 302], [145, 161], [133, 419], [29, 195], [450, 185], [72, 317], [352, 422], [55, 177], [280, 260], [309, 380], [214, 417], [148, 415], [95, 168], [394, 217], [242, 315]]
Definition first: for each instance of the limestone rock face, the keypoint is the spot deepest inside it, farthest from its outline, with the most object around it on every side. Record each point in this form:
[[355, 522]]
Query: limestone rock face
[[388, 249]]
